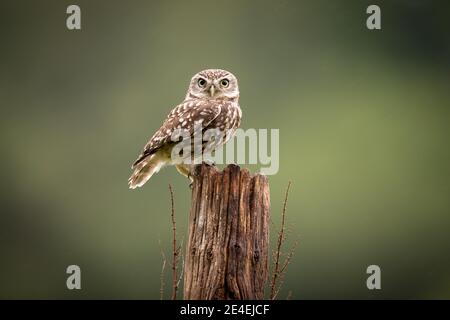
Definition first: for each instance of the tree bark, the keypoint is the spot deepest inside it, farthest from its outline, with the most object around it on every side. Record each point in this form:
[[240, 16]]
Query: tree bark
[[228, 247]]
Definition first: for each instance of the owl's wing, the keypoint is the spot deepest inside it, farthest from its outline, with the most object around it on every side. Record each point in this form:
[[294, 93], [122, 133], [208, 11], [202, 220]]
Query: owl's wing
[[184, 116]]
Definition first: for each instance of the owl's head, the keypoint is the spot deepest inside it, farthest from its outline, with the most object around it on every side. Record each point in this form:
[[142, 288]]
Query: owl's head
[[213, 84]]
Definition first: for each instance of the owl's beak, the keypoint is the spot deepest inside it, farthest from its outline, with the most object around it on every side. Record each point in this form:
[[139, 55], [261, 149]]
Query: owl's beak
[[212, 89]]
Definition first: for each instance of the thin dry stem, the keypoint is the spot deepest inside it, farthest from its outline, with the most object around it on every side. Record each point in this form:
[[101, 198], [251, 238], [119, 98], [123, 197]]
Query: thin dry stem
[[175, 249], [288, 257], [277, 271], [282, 272]]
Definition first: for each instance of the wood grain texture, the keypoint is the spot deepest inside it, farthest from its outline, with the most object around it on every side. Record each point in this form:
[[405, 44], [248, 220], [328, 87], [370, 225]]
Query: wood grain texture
[[228, 244]]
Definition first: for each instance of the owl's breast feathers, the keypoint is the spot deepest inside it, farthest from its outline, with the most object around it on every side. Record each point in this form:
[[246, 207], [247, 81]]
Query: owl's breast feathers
[[189, 115]]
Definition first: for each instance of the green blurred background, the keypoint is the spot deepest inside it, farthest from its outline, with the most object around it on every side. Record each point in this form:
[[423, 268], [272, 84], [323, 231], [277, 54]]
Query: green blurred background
[[364, 128]]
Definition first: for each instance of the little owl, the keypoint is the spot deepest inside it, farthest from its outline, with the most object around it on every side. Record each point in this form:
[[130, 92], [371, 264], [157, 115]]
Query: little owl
[[212, 101]]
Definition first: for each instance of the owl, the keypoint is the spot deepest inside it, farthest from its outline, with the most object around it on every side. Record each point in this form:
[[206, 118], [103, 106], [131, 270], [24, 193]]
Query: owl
[[211, 102]]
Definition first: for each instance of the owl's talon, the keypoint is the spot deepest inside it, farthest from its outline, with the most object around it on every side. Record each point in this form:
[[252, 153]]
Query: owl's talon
[[191, 180]]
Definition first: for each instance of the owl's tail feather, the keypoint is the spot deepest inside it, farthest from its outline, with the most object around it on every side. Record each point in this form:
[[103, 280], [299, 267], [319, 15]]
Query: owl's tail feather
[[144, 171]]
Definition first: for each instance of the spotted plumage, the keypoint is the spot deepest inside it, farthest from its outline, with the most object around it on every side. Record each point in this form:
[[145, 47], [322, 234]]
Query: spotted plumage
[[211, 102]]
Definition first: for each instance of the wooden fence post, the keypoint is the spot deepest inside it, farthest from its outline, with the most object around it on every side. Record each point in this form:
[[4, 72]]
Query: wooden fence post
[[228, 246]]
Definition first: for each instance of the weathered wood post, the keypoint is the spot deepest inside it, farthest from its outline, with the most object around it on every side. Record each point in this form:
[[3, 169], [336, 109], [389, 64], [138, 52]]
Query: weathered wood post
[[228, 247]]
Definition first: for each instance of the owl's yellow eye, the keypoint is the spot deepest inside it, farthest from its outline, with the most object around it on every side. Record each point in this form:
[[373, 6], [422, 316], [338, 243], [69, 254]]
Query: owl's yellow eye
[[224, 82], [201, 82]]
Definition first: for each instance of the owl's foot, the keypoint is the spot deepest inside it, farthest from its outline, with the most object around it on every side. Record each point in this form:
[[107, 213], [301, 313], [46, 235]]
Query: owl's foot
[[191, 180]]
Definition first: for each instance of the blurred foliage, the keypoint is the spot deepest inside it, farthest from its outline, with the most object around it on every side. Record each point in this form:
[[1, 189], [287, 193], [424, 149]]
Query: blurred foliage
[[363, 119]]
